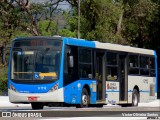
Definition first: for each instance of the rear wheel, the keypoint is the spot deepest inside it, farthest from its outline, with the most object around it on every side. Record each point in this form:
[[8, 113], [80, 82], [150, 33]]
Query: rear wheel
[[84, 99], [37, 105], [135, 98]]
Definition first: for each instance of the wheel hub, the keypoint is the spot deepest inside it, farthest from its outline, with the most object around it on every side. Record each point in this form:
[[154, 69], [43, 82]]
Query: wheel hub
[[84, 100], [135, 100]]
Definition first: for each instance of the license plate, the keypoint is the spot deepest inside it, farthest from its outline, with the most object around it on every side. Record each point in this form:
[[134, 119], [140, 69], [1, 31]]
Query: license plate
[[32, 98]]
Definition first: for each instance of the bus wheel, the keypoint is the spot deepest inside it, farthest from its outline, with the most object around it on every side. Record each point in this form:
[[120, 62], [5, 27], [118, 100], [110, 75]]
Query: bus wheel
[[84, 99], [135, 98], [37, 105]]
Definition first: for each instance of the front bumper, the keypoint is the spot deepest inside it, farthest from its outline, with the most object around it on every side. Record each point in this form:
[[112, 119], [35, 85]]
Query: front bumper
[[55, 96]]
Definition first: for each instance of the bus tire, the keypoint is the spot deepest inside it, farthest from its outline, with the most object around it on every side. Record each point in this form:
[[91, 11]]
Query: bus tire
[[135, 98], [37, 105], [84, 99]]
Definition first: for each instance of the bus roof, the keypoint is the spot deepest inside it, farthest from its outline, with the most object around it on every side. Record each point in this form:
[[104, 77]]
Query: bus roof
[[123, 48], [94, 44], [108, 46]]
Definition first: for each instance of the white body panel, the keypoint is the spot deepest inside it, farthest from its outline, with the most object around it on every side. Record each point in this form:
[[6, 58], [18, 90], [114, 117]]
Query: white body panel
[[112, 92], [55, 96], [123, 48], [143, 84]]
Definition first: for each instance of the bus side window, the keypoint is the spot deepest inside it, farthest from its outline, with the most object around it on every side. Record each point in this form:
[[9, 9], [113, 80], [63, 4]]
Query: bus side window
[[144, 67], [133, 64], [112, 66], [85, 63]]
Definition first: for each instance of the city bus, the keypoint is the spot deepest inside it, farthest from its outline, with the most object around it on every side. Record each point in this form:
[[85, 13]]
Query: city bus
[[61, 71]]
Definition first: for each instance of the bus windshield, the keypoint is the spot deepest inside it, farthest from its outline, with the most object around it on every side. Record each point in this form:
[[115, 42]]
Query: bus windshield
[[35, 63]]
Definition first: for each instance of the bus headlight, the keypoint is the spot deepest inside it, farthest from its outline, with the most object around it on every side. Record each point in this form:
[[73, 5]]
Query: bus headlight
[[13, 88], [55, 87]]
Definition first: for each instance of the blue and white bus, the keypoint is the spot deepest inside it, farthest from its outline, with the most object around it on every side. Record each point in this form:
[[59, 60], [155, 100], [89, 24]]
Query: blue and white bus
[[48, 71]]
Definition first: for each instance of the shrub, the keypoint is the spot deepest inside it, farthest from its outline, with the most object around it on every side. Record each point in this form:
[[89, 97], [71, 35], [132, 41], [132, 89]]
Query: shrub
[[3, 78]]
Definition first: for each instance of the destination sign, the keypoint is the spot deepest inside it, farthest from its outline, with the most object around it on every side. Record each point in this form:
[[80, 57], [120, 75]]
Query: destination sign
[[37, 43]]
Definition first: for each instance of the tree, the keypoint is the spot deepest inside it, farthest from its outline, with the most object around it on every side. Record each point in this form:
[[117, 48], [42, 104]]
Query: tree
[[99, 19], [22, 18], [135, 23], [70, 26], [138, 18], [154, 26]]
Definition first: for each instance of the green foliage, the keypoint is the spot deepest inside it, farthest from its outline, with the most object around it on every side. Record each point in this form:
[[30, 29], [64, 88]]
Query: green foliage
[[139, 23], [99, 20], [70, 27], [72, 20], [132, 22], [19, 33], [3, 78], [43, 24], [67, 33]]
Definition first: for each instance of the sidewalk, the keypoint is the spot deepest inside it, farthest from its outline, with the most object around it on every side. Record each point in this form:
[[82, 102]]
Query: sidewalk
[[4, 102], [155, 103]]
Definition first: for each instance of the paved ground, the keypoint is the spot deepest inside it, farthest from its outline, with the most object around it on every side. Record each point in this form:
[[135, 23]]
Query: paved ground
[[108, 112], [4, 102]]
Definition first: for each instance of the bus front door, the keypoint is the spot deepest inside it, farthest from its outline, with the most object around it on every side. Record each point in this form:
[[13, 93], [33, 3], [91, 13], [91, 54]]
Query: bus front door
[[100, 66], [123, 78]]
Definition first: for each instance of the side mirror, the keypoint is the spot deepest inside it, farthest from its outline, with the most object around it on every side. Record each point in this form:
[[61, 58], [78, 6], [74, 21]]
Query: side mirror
[[90, 76], [71, 62]]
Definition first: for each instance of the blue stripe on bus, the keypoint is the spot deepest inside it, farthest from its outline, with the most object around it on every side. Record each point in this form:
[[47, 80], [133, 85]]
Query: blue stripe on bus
[[78, 42], [140, 91], [113, 91], [145, 91], [156, 86], [128, 91]]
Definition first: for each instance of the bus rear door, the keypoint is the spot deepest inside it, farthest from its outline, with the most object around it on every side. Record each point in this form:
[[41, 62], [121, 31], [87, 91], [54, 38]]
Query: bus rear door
[[123, 79]]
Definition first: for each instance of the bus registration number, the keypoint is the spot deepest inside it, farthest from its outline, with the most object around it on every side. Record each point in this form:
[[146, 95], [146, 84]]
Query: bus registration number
[[32, 98]]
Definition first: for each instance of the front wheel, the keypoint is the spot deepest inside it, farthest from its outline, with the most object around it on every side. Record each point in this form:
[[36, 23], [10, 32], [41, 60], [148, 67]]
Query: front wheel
[[37, 105], [135, 98], [84, 99]]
